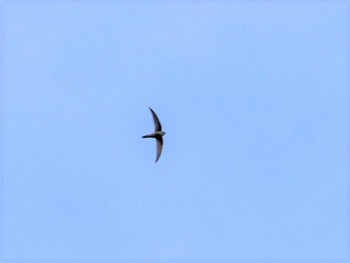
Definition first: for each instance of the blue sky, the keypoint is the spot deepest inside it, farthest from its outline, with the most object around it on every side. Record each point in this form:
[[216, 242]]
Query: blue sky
[[252, 96]]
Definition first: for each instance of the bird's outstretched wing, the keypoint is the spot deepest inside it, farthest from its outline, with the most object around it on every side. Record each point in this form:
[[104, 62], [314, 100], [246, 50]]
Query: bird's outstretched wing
[[159, 147], [157, 125]]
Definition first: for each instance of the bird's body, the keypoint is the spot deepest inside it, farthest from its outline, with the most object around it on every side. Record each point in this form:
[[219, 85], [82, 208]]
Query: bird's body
[[157, 134]]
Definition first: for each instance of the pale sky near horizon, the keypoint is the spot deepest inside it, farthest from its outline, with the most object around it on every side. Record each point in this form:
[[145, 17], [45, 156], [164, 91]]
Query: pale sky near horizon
[[253, 99]]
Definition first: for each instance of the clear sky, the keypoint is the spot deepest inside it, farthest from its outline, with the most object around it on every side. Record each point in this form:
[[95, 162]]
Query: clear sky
[[252, 97]]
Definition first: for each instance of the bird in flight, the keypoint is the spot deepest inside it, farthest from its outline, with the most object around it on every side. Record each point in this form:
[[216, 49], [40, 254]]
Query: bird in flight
[[158, 134]]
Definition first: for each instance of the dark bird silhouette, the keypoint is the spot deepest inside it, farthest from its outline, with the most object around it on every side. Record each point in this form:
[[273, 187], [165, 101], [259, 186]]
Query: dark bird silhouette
[[157, 134]]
